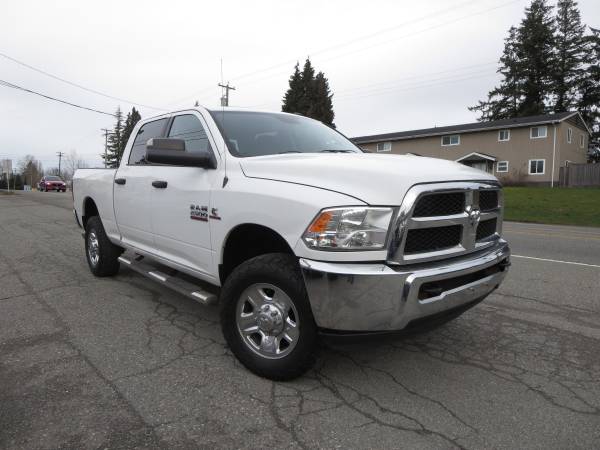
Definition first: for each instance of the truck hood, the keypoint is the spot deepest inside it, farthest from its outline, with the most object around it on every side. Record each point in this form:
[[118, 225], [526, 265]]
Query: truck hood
[[373, 179]]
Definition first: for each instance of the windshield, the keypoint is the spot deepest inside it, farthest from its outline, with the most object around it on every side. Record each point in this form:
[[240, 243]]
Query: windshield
[[53, 179], [257, 134]]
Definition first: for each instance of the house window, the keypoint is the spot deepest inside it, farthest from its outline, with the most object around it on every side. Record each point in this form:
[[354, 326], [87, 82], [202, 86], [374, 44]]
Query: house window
[[569, 135], [536, 166], [538, 132], [502, 166], [503, 135], [384, 146], [581, 141], [450, 140]]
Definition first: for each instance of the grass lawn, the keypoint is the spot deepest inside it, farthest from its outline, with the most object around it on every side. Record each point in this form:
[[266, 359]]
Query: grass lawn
[[564, 206]]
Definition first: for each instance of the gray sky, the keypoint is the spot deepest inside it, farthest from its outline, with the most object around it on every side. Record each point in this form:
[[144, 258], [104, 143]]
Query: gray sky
[[392, 65]]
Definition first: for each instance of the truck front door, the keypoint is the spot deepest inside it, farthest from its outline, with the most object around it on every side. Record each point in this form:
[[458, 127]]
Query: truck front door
[[181, 209], [133, 189]]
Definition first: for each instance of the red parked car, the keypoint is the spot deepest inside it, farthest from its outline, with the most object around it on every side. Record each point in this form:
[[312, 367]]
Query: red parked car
[[52, 183]]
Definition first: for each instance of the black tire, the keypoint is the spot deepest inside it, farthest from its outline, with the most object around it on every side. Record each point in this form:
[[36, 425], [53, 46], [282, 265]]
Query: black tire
[[105, 263], [282, 271]]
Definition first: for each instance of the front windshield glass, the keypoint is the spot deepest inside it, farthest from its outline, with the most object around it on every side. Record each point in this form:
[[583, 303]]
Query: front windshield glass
[[257, 134], [53, 179]]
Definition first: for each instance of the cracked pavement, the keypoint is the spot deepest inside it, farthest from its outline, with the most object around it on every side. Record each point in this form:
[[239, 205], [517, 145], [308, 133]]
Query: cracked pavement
[[125, 363]]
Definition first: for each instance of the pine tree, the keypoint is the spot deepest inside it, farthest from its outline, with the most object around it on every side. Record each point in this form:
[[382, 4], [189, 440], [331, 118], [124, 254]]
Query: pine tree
[[322, 107], [131, 120], [569, 55], [308, 89], [536, 36], [309, 95], [525, 66], [589, 90], [115, 142], [503, 101], [291, 100]]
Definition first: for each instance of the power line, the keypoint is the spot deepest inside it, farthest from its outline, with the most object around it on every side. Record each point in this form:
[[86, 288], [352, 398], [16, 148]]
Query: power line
[[368, 90], [333, 47], [442, 24], [412, 88], [14, 86], [458, 71], [93, 91]]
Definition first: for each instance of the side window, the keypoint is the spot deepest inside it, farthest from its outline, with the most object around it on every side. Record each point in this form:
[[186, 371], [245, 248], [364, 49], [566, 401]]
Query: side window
[[189, 128], [148, 131]]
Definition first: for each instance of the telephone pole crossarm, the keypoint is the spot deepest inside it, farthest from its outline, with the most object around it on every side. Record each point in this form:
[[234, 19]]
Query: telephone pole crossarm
[[225, 98]]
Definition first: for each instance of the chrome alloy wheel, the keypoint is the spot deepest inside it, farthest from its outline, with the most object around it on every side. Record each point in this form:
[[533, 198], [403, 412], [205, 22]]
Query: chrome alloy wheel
[[267, 321], [93, 248]]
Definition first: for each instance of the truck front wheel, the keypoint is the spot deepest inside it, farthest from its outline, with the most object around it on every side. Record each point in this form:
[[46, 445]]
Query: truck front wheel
[[266, 317], [102, 255]]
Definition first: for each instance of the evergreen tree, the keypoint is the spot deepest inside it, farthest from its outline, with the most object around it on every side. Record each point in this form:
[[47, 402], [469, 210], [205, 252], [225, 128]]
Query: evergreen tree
[[569, 55], [322, 106], [309, 95], [308, 89], [526, 67], [115, 142], [536, 36], [291, 100], [589, 88], [503, 101], [131, 120]]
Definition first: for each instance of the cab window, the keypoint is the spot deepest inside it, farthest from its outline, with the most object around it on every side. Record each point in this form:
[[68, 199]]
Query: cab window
[[189, 128], [147, 131]]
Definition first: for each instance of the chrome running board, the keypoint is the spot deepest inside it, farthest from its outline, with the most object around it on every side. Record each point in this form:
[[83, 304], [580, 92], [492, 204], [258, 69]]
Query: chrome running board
[[174, 282]]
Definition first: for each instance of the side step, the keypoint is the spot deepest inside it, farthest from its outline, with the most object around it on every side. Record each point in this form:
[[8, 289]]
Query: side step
[[180, 285]]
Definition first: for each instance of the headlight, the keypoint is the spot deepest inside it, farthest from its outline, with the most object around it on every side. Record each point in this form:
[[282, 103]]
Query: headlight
[[349, 229]]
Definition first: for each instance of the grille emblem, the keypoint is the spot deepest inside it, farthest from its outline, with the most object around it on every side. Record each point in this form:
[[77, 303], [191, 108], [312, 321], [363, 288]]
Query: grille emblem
[[474, 215]]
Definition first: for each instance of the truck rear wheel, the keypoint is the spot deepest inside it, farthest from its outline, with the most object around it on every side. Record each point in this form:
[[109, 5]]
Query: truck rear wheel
[[101, 254], [266, 317]]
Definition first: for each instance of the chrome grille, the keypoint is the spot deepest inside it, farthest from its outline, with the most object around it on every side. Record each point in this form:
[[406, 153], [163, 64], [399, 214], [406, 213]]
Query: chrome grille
[[488, 200], [442, 220], [485, 229], [440, 204], [432, 239]]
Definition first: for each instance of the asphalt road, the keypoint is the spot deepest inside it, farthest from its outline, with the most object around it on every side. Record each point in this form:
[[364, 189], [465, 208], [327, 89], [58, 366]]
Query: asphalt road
[[124, 363]]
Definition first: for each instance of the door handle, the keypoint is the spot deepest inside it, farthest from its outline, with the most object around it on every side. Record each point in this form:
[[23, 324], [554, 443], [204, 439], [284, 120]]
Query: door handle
[[120, 180], [159, 184]]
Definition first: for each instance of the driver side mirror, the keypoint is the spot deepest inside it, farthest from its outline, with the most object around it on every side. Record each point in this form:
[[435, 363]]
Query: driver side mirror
[[172, 152]]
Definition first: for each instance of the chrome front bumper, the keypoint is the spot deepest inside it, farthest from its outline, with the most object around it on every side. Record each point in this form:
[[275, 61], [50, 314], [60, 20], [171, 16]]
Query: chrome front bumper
[[379, 297]]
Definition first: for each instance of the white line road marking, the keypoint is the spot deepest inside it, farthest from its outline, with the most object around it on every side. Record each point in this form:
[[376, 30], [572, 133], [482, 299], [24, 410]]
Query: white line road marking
[[556, 261]]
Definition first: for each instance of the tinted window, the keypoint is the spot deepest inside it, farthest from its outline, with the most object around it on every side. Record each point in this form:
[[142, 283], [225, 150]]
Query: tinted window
[[148, 131], [257, 134], [51, 178], [189, 128]]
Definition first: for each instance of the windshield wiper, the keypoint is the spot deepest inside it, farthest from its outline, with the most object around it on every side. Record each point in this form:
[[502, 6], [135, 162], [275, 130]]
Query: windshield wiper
[[337, 151]]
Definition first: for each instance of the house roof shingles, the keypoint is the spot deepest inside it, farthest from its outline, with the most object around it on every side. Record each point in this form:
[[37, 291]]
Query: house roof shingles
[[466, 128]]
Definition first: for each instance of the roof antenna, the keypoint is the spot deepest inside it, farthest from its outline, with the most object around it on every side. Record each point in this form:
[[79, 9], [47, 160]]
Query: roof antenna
[[225, 179]]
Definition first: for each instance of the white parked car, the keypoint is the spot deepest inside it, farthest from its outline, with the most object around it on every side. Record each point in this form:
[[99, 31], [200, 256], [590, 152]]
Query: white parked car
[[293, 229]]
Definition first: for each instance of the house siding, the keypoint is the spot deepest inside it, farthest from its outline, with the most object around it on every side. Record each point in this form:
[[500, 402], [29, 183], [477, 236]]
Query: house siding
[[517, 151]]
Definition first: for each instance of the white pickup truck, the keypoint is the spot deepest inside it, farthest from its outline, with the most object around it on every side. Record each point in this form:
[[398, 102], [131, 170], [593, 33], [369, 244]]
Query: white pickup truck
[[293, 229]]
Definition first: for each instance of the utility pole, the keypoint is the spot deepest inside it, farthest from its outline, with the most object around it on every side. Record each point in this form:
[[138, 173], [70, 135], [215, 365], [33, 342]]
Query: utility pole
[[105, 145], [60, 155], [225, 98]]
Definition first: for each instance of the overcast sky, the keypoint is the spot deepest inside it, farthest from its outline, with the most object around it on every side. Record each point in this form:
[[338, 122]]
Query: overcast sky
[[392, 65]]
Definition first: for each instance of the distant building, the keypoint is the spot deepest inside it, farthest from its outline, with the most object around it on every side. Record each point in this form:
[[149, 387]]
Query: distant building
[[5, 166], [528, 150]]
